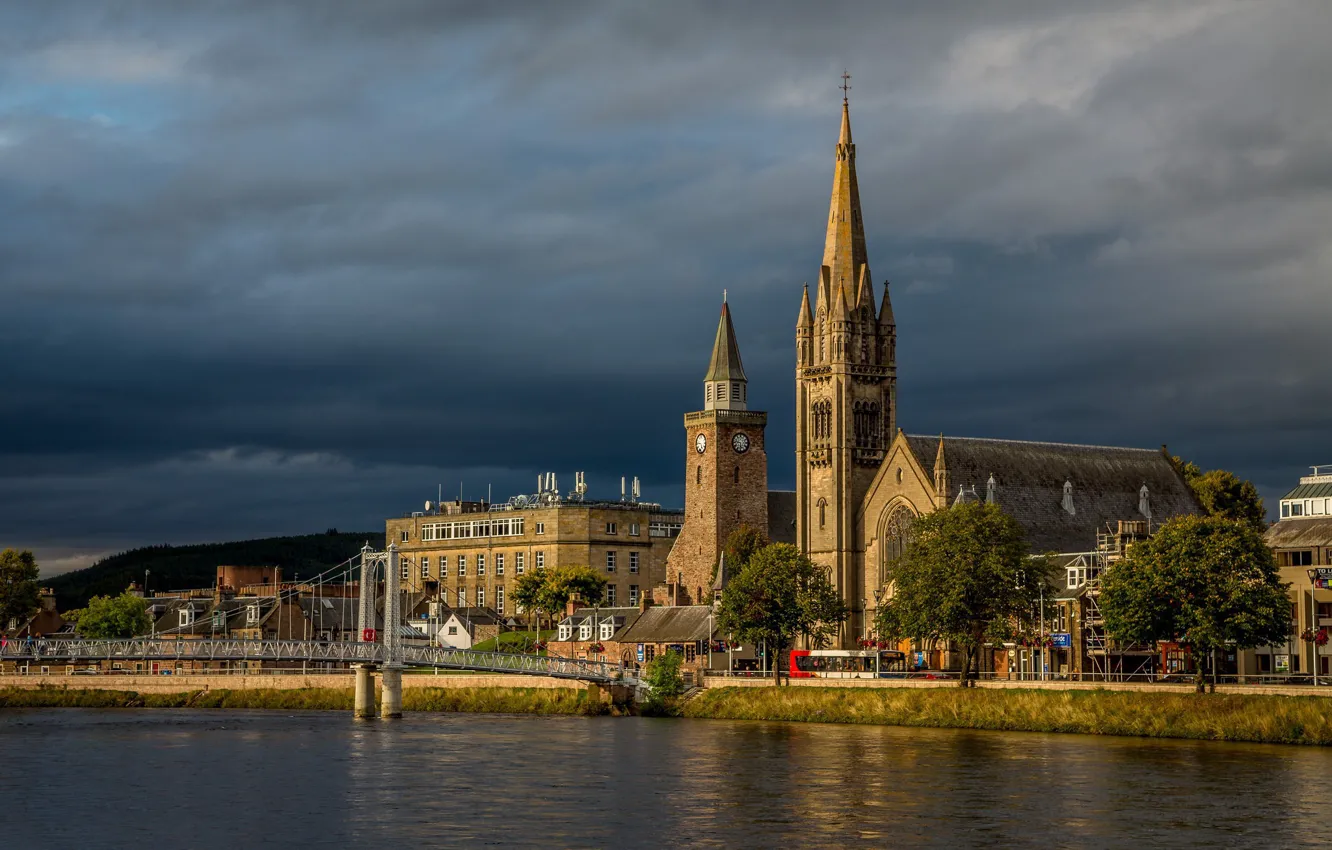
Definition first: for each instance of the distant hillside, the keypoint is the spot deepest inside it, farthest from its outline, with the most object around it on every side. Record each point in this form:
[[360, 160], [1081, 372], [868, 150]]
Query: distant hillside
[[183, 567]]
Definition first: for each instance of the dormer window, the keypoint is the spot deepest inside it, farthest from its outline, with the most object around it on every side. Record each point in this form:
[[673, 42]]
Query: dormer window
[[566, 631], [251, 615], [585, 630], [187, 616], [1145, 502], [1068, 498], [607, 630]]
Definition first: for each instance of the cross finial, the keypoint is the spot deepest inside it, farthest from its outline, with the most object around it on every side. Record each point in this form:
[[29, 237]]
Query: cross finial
[[845, 86], [723, 296]]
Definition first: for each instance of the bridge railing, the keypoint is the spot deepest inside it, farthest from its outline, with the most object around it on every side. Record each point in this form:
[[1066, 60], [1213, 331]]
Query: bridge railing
[[52, 650]]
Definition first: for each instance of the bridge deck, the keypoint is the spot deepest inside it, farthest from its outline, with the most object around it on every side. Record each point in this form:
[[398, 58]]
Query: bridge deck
[[52, 651]]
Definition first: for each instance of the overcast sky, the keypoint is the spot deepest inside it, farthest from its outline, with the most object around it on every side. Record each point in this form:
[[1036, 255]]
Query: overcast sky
[[274, 267]]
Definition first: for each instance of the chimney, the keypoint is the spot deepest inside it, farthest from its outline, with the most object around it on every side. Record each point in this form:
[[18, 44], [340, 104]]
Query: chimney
[[571, 606], [644, 602]]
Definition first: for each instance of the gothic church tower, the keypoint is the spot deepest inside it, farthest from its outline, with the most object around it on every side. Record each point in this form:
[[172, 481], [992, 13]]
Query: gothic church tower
[[846, 391], [726, 473]]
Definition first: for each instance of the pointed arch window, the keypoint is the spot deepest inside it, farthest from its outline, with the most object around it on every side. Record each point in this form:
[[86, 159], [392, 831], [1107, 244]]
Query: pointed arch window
[[897, 535], [823, 512]]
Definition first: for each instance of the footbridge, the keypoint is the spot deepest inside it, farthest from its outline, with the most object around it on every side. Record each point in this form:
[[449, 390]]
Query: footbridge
[[52, 651], [378, 650]]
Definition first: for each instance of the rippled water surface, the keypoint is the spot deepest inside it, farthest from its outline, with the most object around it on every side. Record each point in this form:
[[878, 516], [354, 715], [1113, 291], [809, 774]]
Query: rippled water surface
[[138, 778]]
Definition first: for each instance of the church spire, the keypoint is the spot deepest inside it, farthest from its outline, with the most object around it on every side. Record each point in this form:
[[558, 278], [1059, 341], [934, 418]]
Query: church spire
[[806, 320], [725, 385], [844, 248]]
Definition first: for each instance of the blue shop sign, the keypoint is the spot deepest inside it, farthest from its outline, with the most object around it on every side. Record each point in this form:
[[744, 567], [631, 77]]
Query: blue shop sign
[[640, 653], [1062, 640]]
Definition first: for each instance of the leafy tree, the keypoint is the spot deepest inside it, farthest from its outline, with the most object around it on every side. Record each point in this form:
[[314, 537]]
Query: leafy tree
[[563, 583], [664, 680], [1204, 582], [113, 617], [740, 546], [20, 597], [1224, 494], [526, 593], [966, 578], [780, 595]]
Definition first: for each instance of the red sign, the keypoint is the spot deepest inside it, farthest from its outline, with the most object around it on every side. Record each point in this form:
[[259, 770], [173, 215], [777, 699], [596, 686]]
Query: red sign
[[367, 635]]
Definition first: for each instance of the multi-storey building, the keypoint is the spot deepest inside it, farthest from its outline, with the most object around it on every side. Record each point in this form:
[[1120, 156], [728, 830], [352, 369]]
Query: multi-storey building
[[470, 553]]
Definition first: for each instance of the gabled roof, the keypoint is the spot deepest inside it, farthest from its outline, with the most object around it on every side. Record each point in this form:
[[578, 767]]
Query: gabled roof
[[1030, 479], [663, 624]]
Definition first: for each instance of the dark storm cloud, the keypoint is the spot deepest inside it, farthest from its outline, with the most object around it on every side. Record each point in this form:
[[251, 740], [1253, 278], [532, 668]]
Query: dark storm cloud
[[273, 267]]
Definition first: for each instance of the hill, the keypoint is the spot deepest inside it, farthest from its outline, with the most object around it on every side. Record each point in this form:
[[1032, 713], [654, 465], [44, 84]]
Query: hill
[[184, 567]]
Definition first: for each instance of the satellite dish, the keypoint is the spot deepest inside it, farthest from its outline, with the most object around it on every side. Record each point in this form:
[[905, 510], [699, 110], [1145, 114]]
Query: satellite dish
[[427, 504]]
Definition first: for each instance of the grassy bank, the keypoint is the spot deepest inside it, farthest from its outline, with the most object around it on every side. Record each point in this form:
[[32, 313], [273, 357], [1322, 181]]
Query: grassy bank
[[1214, 717], [488, 700]]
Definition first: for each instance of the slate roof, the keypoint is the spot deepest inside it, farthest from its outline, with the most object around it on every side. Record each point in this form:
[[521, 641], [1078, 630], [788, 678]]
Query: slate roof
[[782, 516], [1299, 532], [725, 364], [663, 624], [1030, 485]]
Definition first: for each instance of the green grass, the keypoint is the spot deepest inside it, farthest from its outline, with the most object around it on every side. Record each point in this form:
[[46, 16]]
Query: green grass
[[1214, 717], [512, 641], [485, 700]]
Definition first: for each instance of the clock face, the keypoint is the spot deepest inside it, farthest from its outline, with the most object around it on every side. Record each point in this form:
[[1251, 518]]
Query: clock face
[[701, 443], [740, 442]]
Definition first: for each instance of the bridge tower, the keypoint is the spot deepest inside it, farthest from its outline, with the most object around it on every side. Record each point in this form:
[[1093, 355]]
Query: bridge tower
[[364, 706]]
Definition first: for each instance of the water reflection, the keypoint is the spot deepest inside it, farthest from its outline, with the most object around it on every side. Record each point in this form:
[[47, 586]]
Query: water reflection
[[239, 779]]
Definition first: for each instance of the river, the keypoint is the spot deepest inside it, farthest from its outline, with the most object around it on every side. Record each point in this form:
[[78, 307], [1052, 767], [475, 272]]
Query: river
[[142, 778]]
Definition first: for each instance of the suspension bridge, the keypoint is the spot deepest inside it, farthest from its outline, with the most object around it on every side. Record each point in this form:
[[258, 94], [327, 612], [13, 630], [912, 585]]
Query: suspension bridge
[[375, 650]]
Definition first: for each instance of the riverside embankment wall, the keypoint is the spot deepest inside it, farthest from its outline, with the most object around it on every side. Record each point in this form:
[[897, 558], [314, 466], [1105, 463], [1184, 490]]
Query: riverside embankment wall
[[1018, 685], [177, 684]]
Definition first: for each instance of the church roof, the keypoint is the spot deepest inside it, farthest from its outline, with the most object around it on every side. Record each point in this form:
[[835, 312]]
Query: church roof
[[725, 364], [1030, 484]]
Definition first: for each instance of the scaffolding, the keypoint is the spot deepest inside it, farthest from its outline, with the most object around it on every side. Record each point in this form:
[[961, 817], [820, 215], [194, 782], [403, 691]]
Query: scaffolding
[[1106, 659]]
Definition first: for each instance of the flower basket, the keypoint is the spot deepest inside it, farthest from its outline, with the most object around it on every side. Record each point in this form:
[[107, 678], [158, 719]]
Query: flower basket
[[596, 647]]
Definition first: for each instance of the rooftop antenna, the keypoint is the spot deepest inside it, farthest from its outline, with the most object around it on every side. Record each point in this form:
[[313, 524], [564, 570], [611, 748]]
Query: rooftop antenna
[[638, 491], [580, 483], [622, 491], [845, 86]]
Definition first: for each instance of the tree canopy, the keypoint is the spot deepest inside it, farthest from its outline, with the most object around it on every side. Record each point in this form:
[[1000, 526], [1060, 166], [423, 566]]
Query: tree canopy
[[563, 583], [966, 578], [1224, 494], [740, 546], [112, 617], [1205, 582], [778, 596], [20, 596]]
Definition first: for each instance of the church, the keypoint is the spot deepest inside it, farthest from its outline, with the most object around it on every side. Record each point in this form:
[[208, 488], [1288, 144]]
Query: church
[[860, 479]]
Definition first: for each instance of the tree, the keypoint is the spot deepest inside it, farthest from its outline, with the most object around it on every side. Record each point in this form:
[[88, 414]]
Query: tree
[[20, 597], [563, 583], [1203, 582], [526, 593], [780, 595], [112, 617], [1224, 494], [664, 680], [966, 578], [740, 546]]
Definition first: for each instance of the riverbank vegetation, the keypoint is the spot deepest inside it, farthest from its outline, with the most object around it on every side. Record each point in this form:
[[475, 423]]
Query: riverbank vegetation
[[567, 701], [1212, 717]]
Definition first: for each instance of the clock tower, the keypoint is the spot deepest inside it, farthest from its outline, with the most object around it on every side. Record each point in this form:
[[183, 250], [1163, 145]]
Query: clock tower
[[726, 472]]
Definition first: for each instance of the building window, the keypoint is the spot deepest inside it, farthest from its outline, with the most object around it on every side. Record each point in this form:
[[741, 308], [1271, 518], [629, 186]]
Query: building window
[[462, 566], [721, 392], [519, 559], [462, 597], [480, 565], [585, 629], [406, 569], [709, 392], [737, 475], [735, 392], [610, 562], [443, 566], [541, 528], [499, 564], [1302, 559], [425, 566], [633, 562], [633, 529], [823, 513], [633, 594], [186, 617], [610, 528], [499, 599], [480, 597], [251, 614], [540, 560], [698, 474], [406, 535], [566, 631], [453, 630], [610, 595]]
